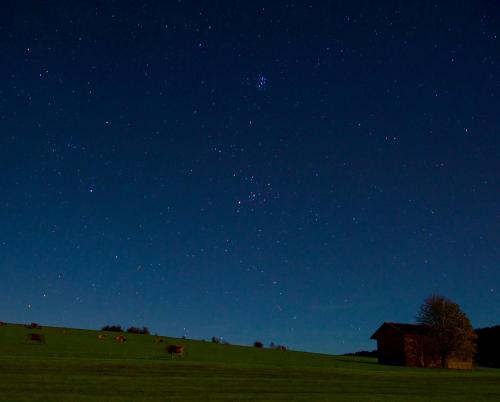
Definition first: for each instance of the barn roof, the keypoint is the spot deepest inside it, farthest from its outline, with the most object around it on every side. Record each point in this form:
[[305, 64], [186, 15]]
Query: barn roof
[[417, 329]]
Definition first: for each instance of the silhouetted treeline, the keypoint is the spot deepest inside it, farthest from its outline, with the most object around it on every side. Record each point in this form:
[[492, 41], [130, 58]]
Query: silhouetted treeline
[[275, 346], [136, 330], [112, 328], [363, 353], [488, 346], [130, 330]]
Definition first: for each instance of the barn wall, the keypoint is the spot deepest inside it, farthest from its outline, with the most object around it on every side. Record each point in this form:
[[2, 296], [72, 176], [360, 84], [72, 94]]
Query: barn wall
[[431, 355], [414, 350], [421, 351], [460, 364], [390, 347]]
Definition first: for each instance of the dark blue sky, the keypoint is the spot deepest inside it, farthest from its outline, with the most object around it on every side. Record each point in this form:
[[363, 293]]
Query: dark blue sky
[[295, 172]]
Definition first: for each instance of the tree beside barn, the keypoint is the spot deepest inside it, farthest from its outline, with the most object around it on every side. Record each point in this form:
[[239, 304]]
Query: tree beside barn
[[451, 329]]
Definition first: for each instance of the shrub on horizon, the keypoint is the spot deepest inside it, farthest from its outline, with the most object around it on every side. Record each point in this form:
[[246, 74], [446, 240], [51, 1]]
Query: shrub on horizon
[[112, 328], [136, 330]]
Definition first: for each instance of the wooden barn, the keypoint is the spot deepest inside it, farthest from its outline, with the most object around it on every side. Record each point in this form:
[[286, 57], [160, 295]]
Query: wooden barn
[[411, 345]]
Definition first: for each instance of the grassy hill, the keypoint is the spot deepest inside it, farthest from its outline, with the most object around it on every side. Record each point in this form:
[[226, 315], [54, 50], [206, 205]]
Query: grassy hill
[[73, 365]]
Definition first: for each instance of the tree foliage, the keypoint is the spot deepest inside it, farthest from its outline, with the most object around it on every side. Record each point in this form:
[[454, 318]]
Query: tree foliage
[[450, 328]]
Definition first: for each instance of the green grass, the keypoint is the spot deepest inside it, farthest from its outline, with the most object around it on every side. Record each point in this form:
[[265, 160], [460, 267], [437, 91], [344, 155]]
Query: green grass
[[76, 366]]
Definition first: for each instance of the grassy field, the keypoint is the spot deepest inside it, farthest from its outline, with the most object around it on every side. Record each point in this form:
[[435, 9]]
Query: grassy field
[[73, 365]]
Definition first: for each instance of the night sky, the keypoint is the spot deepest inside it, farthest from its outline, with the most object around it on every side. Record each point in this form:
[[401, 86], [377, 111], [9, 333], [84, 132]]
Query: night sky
[[288, 171]]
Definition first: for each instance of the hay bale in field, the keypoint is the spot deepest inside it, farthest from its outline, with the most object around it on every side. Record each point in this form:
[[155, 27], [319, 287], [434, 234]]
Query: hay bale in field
[[35, 338], [120, 339], [177, 350]]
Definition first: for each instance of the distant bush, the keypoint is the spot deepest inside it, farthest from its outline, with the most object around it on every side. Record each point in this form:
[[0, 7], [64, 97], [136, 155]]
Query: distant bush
[[112, 328], [219, 340], [258, 344], [136, 330]]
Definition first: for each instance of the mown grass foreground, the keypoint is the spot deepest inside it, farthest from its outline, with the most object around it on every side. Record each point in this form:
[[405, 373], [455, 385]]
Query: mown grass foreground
[[73, 365]]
